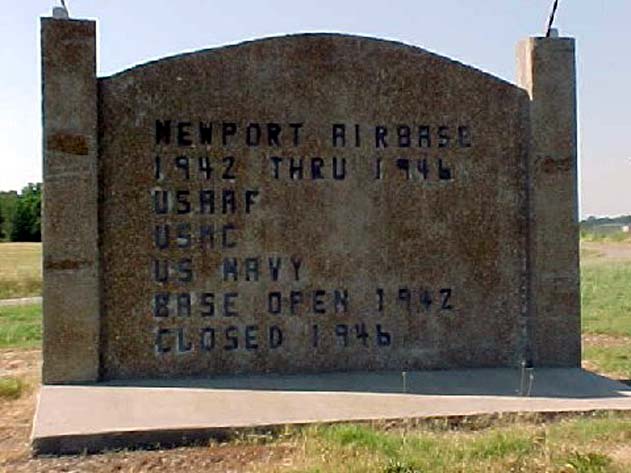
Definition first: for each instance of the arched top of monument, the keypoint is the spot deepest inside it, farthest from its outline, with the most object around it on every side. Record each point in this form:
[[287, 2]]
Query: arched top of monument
[[315, 49]]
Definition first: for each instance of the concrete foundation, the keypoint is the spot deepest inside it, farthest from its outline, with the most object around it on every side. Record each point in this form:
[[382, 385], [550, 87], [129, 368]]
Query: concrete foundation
[[73, 419]]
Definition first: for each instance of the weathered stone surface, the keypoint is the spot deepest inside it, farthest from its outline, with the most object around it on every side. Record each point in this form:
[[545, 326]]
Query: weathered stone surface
[[443, 227], [70, 212], [547, 71], [306, 203]]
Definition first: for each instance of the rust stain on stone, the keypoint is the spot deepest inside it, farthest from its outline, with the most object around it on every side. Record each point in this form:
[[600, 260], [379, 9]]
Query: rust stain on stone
[[65, 264], [549, 165], [67, 143]]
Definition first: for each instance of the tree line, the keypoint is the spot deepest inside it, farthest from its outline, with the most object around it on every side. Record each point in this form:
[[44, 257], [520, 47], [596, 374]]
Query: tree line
[[592, 222], [20, 214]]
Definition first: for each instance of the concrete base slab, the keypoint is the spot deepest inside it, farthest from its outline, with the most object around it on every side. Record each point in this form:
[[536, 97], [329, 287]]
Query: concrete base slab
[[72, 419]]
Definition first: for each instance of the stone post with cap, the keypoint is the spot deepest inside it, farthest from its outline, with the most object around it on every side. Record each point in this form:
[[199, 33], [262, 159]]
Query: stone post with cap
[[547, 71], [70, 212]]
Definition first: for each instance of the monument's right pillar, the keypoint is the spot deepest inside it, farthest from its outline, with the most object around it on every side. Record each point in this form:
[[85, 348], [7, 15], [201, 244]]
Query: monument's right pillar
[[547, 71]]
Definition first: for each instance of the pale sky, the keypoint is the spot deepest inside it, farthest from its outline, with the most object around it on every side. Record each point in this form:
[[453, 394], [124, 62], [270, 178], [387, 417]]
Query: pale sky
[[479, 33]]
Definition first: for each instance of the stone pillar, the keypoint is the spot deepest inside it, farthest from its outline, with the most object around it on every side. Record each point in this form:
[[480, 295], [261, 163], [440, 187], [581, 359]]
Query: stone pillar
[[70, 208], [546, 69]]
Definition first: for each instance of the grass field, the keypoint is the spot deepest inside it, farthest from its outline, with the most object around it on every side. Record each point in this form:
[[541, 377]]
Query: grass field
[[21, 326], [484, 445], [606, 306], [619, 236], [20, 270], [606, 293], [577, 444]]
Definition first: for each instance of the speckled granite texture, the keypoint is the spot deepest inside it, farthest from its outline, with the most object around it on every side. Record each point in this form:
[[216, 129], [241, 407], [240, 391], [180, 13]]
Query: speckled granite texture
[[306, 204], [428, 259]]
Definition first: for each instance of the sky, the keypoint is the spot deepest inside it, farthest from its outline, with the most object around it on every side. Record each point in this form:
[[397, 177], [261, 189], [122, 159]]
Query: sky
[[480, 33]]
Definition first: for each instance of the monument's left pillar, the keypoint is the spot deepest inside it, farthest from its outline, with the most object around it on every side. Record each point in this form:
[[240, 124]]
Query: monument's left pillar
[[70, 209]]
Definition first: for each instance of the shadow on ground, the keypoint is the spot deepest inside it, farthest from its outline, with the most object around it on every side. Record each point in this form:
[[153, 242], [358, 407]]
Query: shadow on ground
[[546, 382]]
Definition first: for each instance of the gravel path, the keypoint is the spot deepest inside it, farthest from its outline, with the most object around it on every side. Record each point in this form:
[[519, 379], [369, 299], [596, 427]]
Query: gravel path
[[20, 301], [609, 251]]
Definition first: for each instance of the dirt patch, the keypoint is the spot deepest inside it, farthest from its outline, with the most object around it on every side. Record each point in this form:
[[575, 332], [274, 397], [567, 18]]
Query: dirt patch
[[214, 458], [601, 340], [21, 363], [20, 301], [611, 342], [622, 455], [16, 418], [607, 251]]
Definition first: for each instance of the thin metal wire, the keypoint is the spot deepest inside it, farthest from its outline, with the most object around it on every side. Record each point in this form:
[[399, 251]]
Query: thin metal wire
[[551, 19]]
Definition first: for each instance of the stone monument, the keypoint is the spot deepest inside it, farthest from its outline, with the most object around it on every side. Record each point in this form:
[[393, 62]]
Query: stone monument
[[303, 204]]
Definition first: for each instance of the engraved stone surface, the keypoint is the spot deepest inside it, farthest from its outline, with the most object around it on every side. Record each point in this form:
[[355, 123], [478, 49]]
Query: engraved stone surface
[[310, 203], [301, 204]]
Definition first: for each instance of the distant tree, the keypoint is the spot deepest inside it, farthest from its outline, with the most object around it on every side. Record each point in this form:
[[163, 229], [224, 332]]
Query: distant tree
[[592, 221], [2, 233], [21, 224], [27, 217], [8, 201]]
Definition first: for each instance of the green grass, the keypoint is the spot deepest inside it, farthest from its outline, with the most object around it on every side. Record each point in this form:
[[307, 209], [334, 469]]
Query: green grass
[[608, 427], [21, 326], [617, 236], [606, 298], [606, 310], [20, 270], [580, 444], [12, 388], [613, 360]]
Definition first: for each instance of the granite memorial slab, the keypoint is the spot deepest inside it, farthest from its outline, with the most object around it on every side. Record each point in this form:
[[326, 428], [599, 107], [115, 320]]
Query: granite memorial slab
[[304, 204], [296, 229]]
